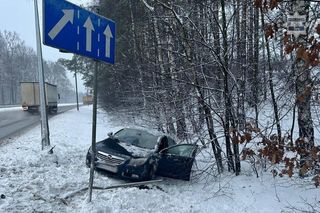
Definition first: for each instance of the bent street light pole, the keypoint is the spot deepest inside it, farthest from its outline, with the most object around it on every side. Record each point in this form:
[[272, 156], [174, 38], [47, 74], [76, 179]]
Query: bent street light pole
[[45, 140], [94, 125]]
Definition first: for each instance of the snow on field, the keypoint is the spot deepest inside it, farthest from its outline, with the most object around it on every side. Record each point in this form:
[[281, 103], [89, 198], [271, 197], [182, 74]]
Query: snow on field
[[32, 181]]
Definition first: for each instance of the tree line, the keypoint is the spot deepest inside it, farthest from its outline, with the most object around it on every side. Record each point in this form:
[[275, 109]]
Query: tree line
[[18, 63], [205, 70]]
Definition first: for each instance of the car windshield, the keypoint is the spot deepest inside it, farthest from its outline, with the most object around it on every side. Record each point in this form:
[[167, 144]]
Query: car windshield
[[137, 137]]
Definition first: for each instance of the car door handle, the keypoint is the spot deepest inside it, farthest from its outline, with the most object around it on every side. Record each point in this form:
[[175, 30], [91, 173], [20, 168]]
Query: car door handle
[[175, 159]]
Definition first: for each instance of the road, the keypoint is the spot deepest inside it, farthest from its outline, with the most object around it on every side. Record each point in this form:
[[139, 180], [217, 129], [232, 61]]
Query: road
[[15, 120]]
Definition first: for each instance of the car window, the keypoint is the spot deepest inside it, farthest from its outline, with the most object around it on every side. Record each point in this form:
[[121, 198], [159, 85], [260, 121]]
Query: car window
[[171, 142], [184, 150], [137, 137]]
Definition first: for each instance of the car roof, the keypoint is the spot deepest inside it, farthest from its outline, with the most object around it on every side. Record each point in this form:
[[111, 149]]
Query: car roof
[[150, 131], [156, 134]]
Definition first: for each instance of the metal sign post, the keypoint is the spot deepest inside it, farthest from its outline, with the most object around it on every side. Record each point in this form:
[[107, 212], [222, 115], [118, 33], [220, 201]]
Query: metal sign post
[[71, 28], [94, 127], [45, 140]]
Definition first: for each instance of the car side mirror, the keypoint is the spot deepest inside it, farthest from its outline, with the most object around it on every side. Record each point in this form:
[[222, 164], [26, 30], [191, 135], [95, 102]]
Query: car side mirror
[[110, 134], [164, 151]]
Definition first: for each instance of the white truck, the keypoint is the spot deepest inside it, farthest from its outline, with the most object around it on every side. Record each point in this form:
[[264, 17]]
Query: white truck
[[30, 97]]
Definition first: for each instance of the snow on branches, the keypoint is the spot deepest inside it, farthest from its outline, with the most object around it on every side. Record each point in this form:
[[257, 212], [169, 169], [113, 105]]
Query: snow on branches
[[307, 47]]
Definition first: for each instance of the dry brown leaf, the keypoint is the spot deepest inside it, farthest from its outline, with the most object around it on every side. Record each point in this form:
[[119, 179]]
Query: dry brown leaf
[[248, 136], [290, 172], [273, 4], [301, 98], [257, 3], [316, 180], [264, 152], [314, 63], [243, 139], [288, 48], [306, 58], [311, 39], [287, 161], [304, 169], [247, 152], [314, 153], [269, 31], [300, 52], [235, 140], [274, 158]]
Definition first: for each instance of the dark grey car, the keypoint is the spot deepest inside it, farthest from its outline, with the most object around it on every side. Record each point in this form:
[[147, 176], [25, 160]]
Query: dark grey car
[[139, 155]]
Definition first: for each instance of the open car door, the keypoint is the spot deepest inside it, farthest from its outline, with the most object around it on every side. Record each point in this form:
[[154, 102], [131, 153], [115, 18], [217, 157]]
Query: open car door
[[176, 161]]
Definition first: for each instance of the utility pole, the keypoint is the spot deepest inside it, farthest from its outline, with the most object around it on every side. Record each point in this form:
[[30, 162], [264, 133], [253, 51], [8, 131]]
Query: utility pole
[[76, 81], [45, 139]]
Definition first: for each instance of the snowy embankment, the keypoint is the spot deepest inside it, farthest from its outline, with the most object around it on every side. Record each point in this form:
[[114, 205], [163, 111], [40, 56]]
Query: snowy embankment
[[32, 181]]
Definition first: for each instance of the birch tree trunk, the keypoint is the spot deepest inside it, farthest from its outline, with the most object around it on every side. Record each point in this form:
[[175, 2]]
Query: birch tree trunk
[[304, 86], [162, 96], [227, 97], [177, 103], [303, 100], [250, 71], [135, 55], [210, 125], [255, 89], [274, 101], [243, 65]]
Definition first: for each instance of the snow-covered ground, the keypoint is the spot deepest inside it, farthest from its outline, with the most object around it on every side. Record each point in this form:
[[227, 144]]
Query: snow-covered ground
[[33, 181]]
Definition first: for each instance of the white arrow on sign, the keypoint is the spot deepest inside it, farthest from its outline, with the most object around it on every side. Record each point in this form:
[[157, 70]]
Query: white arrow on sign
[[89, 28], [107, 32], [67, 17]]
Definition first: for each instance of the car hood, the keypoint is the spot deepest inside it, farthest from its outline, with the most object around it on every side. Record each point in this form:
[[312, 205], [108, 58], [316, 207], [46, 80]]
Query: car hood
[[114, 146]]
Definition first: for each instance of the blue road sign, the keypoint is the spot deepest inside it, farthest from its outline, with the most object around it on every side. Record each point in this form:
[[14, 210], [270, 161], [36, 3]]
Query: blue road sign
[[73, 29]]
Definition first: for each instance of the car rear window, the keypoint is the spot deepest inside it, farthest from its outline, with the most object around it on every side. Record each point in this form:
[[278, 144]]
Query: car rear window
[[137, 137]]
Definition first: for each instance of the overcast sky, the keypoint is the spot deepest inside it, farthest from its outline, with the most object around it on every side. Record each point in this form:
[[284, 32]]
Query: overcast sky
[[18, 16]]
